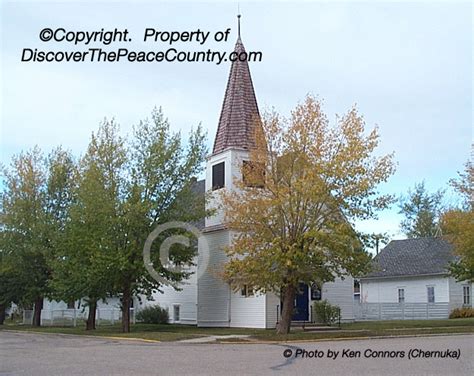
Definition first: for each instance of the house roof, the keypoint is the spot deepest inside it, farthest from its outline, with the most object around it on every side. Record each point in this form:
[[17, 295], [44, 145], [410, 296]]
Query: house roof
[[412, 257], [239, 115]]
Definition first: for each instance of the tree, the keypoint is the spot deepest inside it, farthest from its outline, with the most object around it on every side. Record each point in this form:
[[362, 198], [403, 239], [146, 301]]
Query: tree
[[77, 231], [24, 226], [375, 240], [85, 262], [317, 179], [126, 187], [422, 211], [159, 190], [458, 226], [11, 288], [33, 210]]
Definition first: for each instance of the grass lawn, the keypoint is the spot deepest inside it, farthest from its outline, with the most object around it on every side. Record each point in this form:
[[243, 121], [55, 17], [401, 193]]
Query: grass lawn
[[168, 332], [377, 329], [179, 332]]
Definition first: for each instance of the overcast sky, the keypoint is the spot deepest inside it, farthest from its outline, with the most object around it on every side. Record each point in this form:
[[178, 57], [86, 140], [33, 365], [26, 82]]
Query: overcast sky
[[408, 66]]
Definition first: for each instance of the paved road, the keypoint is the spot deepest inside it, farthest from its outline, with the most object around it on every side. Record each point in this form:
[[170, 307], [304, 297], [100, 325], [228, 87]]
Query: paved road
[[39, 354]]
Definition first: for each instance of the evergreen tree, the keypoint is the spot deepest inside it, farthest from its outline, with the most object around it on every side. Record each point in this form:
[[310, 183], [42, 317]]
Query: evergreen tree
[[422, 211]]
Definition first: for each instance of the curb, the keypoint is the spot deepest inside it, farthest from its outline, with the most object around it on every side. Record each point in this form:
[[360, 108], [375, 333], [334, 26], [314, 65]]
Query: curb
[[245, 342], [84, 336], [343, 339]]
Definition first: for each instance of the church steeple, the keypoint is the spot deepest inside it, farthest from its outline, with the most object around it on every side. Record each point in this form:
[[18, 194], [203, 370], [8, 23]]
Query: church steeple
[[239, 115], [238, 25]]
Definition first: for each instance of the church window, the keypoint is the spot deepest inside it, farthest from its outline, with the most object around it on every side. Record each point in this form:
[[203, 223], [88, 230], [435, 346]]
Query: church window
[[218, 176]]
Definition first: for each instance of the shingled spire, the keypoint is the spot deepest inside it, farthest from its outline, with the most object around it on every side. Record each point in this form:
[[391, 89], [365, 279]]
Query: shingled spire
[[239, 115]]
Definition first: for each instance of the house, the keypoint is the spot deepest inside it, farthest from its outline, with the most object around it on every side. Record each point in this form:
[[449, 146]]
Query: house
[[208, 301], [413, 273]]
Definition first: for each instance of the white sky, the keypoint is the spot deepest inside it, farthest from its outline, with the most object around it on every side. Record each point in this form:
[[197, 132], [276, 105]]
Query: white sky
[[408, 66]]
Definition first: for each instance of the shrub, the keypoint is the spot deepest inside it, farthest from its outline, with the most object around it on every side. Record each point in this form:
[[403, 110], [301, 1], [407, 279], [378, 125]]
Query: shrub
[[325, 312], [153, 315], [459, 313]]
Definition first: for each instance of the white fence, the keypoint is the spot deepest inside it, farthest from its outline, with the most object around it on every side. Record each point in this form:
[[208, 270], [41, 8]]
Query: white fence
[[400, 311], [74, 317]]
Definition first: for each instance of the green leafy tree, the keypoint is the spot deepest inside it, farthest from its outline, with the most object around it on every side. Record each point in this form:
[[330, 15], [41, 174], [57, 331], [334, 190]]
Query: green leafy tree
[[159, 189], [24, 226], [316, 179], [33, 209], [375, 240], [85, 264], [11, 288], [422, 211], [77, 231]]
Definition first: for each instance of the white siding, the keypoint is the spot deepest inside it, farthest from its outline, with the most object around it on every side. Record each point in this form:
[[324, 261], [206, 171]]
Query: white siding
[[233, 161], [272, 307], [213, 292], [214, 201], [186, 298], [386, 290], [49, 305], [247, 312], [456, 293], [57, 313], [341, 293], [53, 304]]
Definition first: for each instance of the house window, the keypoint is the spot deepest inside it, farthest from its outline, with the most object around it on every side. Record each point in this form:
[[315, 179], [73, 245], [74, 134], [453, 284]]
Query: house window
[[356, 286], [431, 294], [70, 304], [176, 313], [401, 295], [245, 291], [315, 292], [253, 174], [466, 295], [218, 176]]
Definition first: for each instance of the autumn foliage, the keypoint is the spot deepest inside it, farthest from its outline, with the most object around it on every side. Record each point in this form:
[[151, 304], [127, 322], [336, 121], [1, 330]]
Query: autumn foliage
[[308, 182]]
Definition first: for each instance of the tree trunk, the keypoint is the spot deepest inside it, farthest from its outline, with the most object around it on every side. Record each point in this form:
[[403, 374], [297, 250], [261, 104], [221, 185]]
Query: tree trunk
[[288, 300], [3, 313], [126, 309], [37, 311], [90, 323]]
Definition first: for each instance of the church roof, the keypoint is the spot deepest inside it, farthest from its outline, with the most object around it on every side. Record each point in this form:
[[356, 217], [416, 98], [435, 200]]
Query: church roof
[[239, 115]]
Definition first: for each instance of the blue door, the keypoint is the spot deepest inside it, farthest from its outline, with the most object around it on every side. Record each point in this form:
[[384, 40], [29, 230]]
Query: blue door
[[301, 303]]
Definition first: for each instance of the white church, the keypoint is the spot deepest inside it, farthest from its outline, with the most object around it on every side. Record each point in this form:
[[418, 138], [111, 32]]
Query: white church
[[208, 301]]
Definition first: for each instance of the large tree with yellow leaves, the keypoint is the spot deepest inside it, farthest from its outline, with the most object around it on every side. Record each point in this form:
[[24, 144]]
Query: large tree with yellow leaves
[[304, 185], [458, 225]]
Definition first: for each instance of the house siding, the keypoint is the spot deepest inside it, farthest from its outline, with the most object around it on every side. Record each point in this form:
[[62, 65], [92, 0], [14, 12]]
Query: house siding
[[386, 290], [341, 293], [52, 305], [456, 293]]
